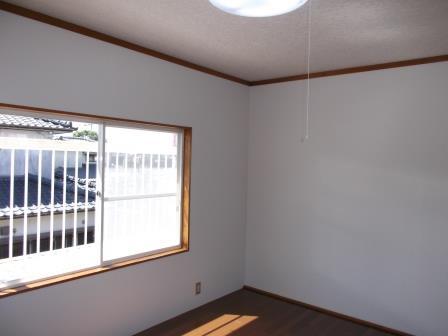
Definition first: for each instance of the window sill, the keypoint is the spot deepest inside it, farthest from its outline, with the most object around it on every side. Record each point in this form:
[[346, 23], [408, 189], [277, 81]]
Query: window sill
[[77, 275]]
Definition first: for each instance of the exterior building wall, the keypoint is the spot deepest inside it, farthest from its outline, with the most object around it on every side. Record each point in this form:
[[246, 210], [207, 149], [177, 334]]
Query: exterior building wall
[[19, 164], [45, 223]]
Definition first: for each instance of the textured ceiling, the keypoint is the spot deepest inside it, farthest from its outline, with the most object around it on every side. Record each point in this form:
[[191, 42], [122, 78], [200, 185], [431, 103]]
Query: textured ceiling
[[345, 33]]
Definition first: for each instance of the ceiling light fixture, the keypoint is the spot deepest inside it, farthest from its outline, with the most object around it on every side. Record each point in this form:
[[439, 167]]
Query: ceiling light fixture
[[258, 8]]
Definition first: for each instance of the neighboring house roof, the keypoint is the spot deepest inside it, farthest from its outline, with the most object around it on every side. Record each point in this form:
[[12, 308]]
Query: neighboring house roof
[[30, 123], [59, 172], [45, 207]]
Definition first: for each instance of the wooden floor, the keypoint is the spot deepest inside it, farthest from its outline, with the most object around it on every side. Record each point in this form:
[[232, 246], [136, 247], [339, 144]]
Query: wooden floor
[[247, 313]]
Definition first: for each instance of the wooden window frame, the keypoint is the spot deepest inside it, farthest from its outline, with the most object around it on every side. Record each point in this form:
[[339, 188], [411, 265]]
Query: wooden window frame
[[185, 200]]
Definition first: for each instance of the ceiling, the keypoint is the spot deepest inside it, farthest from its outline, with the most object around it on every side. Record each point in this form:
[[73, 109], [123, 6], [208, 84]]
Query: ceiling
[[344, 33]]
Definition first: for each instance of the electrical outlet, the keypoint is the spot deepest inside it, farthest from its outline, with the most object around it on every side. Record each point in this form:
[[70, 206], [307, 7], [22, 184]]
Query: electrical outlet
[[197, 288]]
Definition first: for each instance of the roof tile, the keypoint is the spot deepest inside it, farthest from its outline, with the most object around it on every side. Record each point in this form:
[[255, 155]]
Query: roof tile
[[15, 121]]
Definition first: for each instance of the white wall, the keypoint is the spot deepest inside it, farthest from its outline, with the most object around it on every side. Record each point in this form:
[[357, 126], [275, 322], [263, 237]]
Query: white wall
[[48, 67], [356, 219]]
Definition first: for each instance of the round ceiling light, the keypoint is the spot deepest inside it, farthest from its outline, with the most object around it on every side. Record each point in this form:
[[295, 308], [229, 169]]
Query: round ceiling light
[[257, 8]]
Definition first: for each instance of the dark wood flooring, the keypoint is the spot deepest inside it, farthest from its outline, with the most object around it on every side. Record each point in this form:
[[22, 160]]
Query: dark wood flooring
[[251, 314]]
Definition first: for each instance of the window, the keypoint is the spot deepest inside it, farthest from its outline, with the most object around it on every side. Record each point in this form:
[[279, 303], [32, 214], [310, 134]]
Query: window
[[141, 193], [82, 194]]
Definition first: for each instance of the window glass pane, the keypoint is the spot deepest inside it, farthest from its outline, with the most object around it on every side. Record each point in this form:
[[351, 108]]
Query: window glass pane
[[142, 191], [139, 226], [140, 162], [47, 198]]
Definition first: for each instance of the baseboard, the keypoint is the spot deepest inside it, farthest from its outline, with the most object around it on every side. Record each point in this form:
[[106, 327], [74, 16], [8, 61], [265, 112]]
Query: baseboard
[[328, 312]]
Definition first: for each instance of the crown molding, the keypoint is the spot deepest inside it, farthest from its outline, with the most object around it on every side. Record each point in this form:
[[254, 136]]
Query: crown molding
[[21, 11], [345, 71], [28, 13]]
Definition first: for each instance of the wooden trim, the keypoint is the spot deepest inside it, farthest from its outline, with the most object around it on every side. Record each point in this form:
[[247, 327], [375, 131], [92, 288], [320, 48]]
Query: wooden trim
[[186, 183], [8, 7], [78, 275], [25, 108], [185, 210], [328, 312], [346, 71]]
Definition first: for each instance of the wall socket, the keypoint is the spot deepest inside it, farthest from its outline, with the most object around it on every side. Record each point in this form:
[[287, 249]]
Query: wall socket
[[197, 288]]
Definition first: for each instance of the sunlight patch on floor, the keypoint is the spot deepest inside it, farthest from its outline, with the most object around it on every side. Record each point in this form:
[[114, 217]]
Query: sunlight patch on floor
[[222, 326]]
